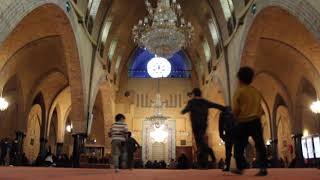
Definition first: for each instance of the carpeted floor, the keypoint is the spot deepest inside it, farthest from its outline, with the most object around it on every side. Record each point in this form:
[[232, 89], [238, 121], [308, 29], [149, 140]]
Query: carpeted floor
[[26, 173]]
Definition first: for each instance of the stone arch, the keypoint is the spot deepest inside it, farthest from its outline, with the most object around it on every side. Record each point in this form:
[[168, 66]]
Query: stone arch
[[266, 121], [284, 132], [49, 79], [262, 39], [39, 100], [279, 101], [304, 118], [62, 104], [98, 122], [49, 12], [52, 131], [67, 138], [275, 89], [10, 118], [303, 11]]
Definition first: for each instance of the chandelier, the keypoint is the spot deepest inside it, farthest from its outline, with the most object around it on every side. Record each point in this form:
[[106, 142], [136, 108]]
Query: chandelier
[[164, 31], [158, 119]]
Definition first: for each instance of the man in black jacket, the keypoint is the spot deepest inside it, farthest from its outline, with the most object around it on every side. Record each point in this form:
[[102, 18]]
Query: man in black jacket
[[198, 108], [132, 146], [226, 124]]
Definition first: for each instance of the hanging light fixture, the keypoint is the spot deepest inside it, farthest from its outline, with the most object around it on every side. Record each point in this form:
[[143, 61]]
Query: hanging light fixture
[[164, 31], [315, 107], [3, 103], [69, 128], [158, 119]]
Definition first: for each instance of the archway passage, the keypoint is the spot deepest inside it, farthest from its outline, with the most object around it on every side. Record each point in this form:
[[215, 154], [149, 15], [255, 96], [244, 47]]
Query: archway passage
[[285, 142], [286, 65], [53, 53], [53, 130]]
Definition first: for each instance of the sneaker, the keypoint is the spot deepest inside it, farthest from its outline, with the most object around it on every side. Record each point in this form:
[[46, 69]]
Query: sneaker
[[117, 170], [262, 172], [237, 171]]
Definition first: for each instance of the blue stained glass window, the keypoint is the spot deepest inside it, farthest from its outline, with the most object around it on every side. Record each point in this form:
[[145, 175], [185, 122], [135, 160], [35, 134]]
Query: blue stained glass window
[[180, 64]]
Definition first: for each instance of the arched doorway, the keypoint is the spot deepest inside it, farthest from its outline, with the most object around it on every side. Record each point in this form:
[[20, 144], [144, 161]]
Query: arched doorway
[[68, 140], [49, 49], [52, 139], [285, 142], [96, 141], [306, 121]]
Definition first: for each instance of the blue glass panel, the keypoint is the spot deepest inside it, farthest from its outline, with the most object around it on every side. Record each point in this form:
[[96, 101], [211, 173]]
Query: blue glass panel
[[181, 68]]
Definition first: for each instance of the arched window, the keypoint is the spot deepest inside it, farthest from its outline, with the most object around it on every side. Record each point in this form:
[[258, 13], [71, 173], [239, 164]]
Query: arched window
[[93, 6], [112, 49], [180, 65], [104, 36], [215, 37], [228, 11], [207, 53], [118, 62], [214, 31], [207, 50]]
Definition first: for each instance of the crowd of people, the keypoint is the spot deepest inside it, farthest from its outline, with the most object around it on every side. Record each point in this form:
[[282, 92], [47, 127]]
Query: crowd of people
[[236, 124], [10, 153]]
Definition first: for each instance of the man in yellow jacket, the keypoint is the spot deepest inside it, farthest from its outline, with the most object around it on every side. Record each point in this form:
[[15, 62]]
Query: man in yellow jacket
[[248, 111]]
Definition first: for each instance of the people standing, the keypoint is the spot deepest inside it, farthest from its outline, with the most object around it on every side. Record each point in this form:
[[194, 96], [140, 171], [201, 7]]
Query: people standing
[[198, 108], [119, 134], [226, 125], [248, 111], [132, 146]]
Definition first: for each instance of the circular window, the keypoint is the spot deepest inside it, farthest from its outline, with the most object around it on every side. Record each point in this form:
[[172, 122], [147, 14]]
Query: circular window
[[159, 67]]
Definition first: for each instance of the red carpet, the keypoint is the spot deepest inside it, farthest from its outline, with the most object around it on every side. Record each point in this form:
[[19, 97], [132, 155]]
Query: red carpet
[[23, 173]]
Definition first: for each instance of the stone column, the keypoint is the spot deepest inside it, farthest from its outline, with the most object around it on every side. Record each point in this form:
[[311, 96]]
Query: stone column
[[78, 148], [298, 150], [43, 150], [20, 137], [59, 149]]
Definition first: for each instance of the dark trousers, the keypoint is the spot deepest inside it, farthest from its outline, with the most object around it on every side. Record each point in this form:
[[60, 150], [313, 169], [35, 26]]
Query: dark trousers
[[228, 146], [202, 146], [242, 133]]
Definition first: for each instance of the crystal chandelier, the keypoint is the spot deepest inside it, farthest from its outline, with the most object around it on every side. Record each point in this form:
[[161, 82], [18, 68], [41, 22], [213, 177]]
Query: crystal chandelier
[[158, 118], [164, 31]]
